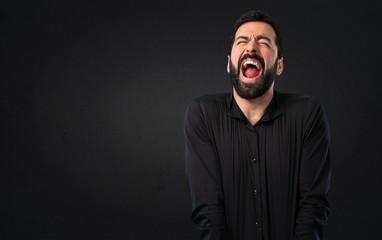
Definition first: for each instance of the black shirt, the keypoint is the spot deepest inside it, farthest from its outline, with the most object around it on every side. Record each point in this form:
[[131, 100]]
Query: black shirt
[[267, 181]]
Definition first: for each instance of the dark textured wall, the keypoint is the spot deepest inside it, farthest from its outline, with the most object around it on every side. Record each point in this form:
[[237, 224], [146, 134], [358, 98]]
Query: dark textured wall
[[93, 95]]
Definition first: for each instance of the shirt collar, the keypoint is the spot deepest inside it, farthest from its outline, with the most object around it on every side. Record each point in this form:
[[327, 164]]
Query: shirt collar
[[272, 112]]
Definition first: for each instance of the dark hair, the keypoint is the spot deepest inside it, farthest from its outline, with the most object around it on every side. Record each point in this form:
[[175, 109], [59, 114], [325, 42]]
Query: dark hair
[[258, 16]]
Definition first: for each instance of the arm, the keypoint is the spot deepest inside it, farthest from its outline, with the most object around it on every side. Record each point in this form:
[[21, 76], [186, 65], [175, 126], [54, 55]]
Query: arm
[[314, 180], [204, 176]]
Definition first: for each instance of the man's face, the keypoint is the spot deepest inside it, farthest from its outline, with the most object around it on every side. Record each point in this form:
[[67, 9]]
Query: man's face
[[253, 63]]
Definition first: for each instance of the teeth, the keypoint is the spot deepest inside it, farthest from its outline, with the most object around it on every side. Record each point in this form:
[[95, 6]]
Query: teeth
[[250, 62]]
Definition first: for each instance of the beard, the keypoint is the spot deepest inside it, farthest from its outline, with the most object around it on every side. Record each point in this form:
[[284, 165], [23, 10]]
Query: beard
[[252, 90]]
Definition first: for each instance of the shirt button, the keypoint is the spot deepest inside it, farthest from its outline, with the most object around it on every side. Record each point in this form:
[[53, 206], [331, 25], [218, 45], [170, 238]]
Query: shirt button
[[255, 191], [257, 224], [253, 160]]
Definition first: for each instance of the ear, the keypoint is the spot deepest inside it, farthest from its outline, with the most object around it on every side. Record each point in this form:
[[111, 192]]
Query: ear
[[280, 66], [228, 63]]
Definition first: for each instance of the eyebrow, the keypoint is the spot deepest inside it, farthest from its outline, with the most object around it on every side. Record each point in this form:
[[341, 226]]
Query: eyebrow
[[259, 37], [263, 37], [241, 37]]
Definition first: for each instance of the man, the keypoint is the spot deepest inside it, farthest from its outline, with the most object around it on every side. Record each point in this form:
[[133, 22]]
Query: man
[[257, 161]]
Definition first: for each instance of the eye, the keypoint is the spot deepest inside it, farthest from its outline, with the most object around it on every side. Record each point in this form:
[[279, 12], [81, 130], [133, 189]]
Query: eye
[[264, 42], [240, 42]]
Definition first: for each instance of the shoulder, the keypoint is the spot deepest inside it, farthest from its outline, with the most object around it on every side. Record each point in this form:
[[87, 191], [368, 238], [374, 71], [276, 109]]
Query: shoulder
[[204, 110], [298, 103], [304, 109], [294, 99], [209, 103]]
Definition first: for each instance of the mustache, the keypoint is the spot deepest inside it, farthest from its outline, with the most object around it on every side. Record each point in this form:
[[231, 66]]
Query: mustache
[[253, 56]]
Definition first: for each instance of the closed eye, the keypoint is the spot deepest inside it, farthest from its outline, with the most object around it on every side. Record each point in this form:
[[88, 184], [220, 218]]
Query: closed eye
[[264, 43], [241, 39], [240, 42], [263, 40]]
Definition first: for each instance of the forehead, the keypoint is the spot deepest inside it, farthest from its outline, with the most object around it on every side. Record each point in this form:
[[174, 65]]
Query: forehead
[[256, 28]]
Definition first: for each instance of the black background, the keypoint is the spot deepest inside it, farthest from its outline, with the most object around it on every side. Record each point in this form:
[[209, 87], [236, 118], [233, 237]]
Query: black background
[[93, 95]]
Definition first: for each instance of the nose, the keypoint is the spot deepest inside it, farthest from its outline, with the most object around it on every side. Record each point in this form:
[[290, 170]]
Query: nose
[[252, 46]]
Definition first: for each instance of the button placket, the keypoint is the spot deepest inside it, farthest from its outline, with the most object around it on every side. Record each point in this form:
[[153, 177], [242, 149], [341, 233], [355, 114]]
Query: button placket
[[255, 178]]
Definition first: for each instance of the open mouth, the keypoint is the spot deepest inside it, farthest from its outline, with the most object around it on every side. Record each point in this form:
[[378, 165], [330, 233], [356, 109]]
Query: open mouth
[[251, 68]]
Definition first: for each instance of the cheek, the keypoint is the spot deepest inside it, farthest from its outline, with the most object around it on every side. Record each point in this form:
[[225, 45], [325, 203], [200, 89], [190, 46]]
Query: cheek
[[269, 60], [236, 53], [269, 56], [235, 57]]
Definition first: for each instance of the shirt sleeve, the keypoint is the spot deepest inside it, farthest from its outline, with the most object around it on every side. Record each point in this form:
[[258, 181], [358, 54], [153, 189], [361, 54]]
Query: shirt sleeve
[[314, 180], [204, 175]]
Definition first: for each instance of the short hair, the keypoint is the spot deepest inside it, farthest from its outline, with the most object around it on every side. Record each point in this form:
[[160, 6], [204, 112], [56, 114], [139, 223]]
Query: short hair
[[258, 16]]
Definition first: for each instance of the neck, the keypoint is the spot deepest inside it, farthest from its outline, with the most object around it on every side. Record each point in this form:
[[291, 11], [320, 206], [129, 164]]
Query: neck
[[254, 109]]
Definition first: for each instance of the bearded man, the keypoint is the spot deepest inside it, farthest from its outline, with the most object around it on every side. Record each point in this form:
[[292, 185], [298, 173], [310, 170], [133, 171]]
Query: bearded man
[[257, 160]]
